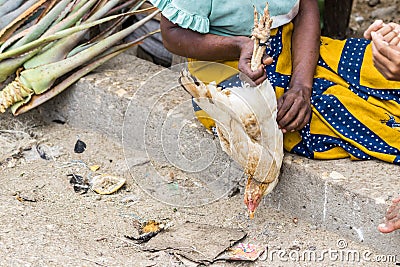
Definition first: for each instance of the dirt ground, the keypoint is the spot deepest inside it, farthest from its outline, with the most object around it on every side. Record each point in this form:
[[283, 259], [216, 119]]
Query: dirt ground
[[44, 222], [366, 12]]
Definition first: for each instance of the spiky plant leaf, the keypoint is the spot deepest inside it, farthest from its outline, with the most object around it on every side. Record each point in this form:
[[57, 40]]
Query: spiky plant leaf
[[42, 51]]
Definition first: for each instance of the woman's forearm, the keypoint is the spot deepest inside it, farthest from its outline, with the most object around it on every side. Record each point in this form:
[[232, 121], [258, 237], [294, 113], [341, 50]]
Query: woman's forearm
[[192, 44], [305, 44]]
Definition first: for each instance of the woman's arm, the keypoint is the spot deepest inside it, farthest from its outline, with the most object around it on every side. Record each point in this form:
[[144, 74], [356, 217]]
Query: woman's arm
[[294, 108], [188, 43]]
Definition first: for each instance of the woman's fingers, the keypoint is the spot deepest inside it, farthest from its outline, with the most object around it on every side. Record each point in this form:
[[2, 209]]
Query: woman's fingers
[[295, 118], [385, 30], [373, 28], [252, 77], [386, 57], [293, 112], [267, 60], [389, 36], [395, 26], [395, 41]]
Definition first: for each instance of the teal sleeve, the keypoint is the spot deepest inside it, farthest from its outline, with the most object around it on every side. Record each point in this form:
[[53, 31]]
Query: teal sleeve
[[188, 14]]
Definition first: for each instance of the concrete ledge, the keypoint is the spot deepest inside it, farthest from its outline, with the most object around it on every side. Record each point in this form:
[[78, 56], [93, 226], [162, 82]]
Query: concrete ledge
[[348, 198]]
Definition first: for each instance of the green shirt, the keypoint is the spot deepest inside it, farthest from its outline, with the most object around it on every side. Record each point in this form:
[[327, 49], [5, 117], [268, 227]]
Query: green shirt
[[224, 17]]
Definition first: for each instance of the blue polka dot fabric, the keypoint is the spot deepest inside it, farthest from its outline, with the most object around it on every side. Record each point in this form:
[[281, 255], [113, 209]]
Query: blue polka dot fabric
[[355, 110]]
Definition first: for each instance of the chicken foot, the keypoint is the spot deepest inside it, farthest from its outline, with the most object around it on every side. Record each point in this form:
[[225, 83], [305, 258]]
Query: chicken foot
[[260, 35]]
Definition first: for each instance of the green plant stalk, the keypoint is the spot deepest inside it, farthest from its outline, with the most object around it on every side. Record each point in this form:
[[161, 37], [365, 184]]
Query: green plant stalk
[[9, 17], [24, 21], [37, 30], [9, 66], [126, 4], [61, 49], [61, 34], [59, 23], [40, 79], [70, 10], [72, 18], [107, 32], [20, 108], [9, 6]]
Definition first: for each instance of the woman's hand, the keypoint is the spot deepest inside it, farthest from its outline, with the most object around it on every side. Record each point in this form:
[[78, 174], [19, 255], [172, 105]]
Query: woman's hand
[[253, 77], [385, 48], [294, 109], [386, 56], [187, 43], [390, 31]]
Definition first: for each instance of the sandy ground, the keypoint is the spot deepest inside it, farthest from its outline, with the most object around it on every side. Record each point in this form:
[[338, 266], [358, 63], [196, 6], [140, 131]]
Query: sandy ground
[[366, 12], [44, 222]]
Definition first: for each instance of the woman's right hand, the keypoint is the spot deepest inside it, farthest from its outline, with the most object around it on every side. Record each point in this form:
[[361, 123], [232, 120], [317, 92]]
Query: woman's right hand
[[246, 51]]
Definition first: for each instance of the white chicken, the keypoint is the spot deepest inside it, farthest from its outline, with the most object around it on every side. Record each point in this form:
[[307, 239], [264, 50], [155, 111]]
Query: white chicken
[[246, 121]]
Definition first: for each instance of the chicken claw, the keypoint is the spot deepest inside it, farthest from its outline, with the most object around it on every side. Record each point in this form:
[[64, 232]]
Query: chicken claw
[[260, 35]]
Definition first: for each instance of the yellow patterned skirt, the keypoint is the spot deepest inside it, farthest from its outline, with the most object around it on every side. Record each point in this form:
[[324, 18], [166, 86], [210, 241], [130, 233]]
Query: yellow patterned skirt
[[355, 110]]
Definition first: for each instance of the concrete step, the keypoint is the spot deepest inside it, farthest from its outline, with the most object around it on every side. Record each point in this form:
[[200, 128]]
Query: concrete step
[[141, 105]]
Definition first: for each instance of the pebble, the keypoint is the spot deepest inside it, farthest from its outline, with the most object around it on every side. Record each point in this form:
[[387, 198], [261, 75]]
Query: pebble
[[359, 19], [384, 11], [130, 199], [373, 3]]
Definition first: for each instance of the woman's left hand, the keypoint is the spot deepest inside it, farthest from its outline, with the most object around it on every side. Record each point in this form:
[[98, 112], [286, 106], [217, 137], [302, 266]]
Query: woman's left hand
[[294, 109]]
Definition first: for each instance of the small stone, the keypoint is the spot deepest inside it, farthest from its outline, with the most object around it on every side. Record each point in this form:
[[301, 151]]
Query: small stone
[[359, 19], [80, 146], [130, 199], [121, 92], [373, 3], [384, 11]]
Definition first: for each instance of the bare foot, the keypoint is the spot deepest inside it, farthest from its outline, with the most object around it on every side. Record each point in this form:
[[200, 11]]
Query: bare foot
[[392, 218]]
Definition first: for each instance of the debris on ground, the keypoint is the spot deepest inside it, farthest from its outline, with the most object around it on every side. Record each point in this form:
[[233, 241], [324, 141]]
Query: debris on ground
[[130, 199], [41, 151], [80, 146], [105, 184], [80, 184], [13, 143], [94, 168], [243, 252], [148, 230], [200, 243], [24, 199]]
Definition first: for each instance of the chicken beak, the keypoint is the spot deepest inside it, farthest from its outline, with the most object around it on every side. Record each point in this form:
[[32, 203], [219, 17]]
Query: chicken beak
[[251, 207], [251, 214]]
